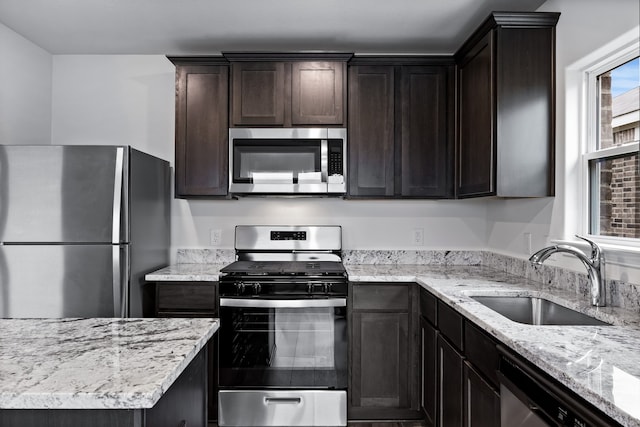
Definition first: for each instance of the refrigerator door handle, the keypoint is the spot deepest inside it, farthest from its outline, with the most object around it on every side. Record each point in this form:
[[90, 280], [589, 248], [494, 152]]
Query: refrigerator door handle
[[117, 195], [120, 280]]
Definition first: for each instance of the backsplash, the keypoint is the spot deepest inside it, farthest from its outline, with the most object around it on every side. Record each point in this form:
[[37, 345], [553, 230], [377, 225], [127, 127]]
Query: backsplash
[[411, 257], [618, 293]]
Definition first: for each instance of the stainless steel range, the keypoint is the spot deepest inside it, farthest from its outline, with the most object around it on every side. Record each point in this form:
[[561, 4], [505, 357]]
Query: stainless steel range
[[283, 335]]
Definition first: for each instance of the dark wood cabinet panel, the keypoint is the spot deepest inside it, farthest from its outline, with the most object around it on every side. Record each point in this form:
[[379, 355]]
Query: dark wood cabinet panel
[[506, 107], [451, 324], [371, 131], [385, 352], [201, 130], [288, 90], [482, 353], [401, 127], [380, 360], [429, 384], [191, 297], [427, 155], [450, 385], [381, 297], [482, 403], [258, 93], [526, 86], [317, 94], [194, 299], [476, 152], [429, 306]]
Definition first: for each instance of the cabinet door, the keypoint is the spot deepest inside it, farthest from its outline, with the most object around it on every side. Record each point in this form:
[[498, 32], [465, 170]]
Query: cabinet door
[[371, 131], [202, 129], [429, 385], [258, 93], [425, 141], [317, 96], [194, 299], [476, 148], [482, 401], [450, 385], [384, 356]]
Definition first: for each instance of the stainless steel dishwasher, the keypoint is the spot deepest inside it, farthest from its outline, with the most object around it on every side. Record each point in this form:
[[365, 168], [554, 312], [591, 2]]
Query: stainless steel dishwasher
[[529, 399]]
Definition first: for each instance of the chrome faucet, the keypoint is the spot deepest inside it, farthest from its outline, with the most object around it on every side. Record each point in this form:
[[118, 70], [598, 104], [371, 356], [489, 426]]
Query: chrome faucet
[[594, 264]]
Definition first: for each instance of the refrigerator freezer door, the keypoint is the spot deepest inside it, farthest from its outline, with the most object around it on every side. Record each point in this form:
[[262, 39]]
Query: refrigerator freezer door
[[63, 194], [63, 280]]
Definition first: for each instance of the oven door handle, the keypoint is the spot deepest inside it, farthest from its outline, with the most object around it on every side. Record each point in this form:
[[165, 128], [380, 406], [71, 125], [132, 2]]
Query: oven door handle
[[283, 303]]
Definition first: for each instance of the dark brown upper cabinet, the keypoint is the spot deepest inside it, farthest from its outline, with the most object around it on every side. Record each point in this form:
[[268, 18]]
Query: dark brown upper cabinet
[[506, 107], [401, 127], [287, 90], [202, 127]]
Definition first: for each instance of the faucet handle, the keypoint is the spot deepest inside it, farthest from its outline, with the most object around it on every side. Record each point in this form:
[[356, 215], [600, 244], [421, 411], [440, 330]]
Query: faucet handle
[[596, 252]]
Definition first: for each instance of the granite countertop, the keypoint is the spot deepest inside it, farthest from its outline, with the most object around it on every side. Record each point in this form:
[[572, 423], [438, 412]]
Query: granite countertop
[[187, 273], [600, 363], [95, 363]]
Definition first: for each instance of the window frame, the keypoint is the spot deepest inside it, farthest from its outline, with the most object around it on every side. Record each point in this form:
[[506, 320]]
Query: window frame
[[589, 151]]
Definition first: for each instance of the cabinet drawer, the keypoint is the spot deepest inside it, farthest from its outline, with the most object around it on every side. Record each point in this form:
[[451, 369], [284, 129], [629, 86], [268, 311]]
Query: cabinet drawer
[[451, 325], [481, 351], [428, 306], [381, 297], [197, 297]]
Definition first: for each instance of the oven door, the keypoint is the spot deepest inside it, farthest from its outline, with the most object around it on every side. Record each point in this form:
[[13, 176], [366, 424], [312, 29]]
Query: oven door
[[283, 343]]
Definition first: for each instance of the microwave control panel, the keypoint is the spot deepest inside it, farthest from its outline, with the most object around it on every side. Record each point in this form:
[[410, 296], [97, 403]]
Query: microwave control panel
[[336, 157]]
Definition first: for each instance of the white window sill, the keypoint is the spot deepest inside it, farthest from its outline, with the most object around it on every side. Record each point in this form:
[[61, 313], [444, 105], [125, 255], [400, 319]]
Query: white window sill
[[617, 251]]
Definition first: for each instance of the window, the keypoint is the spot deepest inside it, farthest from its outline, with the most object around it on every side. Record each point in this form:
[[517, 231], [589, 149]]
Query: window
[[611, 160]]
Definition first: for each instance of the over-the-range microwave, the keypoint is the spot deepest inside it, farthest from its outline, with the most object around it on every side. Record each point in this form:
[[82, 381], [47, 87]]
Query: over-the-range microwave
[[287, 161]]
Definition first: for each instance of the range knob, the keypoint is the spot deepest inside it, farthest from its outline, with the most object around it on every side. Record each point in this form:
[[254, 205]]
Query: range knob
[[257, 288], [240, 288]]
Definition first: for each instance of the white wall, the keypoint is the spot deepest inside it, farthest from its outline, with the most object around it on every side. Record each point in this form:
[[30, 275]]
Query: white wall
[[584, 27], [25, 90], [129, 99]]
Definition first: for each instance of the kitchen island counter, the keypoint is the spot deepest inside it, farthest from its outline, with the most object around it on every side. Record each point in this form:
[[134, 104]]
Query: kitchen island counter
[[96, 363]]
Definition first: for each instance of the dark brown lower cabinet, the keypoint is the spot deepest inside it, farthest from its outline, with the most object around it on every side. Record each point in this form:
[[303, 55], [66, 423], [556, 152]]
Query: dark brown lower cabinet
[[194, 299], [429, 386], [482, 401], [459, 369], [451, 386], [384, 356]]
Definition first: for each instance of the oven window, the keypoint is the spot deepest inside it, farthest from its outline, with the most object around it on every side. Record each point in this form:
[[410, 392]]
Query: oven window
[[265, 156], [283, 347]]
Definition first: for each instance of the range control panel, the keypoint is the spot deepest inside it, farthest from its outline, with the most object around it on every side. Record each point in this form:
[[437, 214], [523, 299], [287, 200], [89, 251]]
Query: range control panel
[[288, 235]]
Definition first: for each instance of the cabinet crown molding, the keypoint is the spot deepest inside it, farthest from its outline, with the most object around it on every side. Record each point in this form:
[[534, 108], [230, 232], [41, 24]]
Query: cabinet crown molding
[[287, 56]]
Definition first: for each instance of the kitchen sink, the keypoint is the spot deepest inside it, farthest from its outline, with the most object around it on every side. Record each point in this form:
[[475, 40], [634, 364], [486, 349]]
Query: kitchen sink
[[536, 311]]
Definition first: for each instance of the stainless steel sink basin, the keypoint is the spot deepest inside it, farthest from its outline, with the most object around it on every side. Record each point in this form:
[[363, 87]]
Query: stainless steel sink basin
[[536, 311]]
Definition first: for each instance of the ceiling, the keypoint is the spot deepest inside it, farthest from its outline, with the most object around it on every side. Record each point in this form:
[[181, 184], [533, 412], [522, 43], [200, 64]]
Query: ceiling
[[200, 27]]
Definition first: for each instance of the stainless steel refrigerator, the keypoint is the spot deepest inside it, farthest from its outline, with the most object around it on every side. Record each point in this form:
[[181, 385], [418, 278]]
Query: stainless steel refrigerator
[[80, 226]]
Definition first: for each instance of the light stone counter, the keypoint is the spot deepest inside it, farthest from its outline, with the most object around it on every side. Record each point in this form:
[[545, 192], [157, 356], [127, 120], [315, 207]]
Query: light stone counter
[[599, 363], [192, 272], [95, 363]]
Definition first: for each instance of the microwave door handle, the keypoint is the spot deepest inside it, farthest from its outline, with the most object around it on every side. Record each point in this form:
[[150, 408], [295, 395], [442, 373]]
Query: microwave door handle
[[324, 159]]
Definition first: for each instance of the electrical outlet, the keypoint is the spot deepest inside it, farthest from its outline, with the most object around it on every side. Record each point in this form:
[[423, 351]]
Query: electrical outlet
[[215, 237], [418, 236]]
